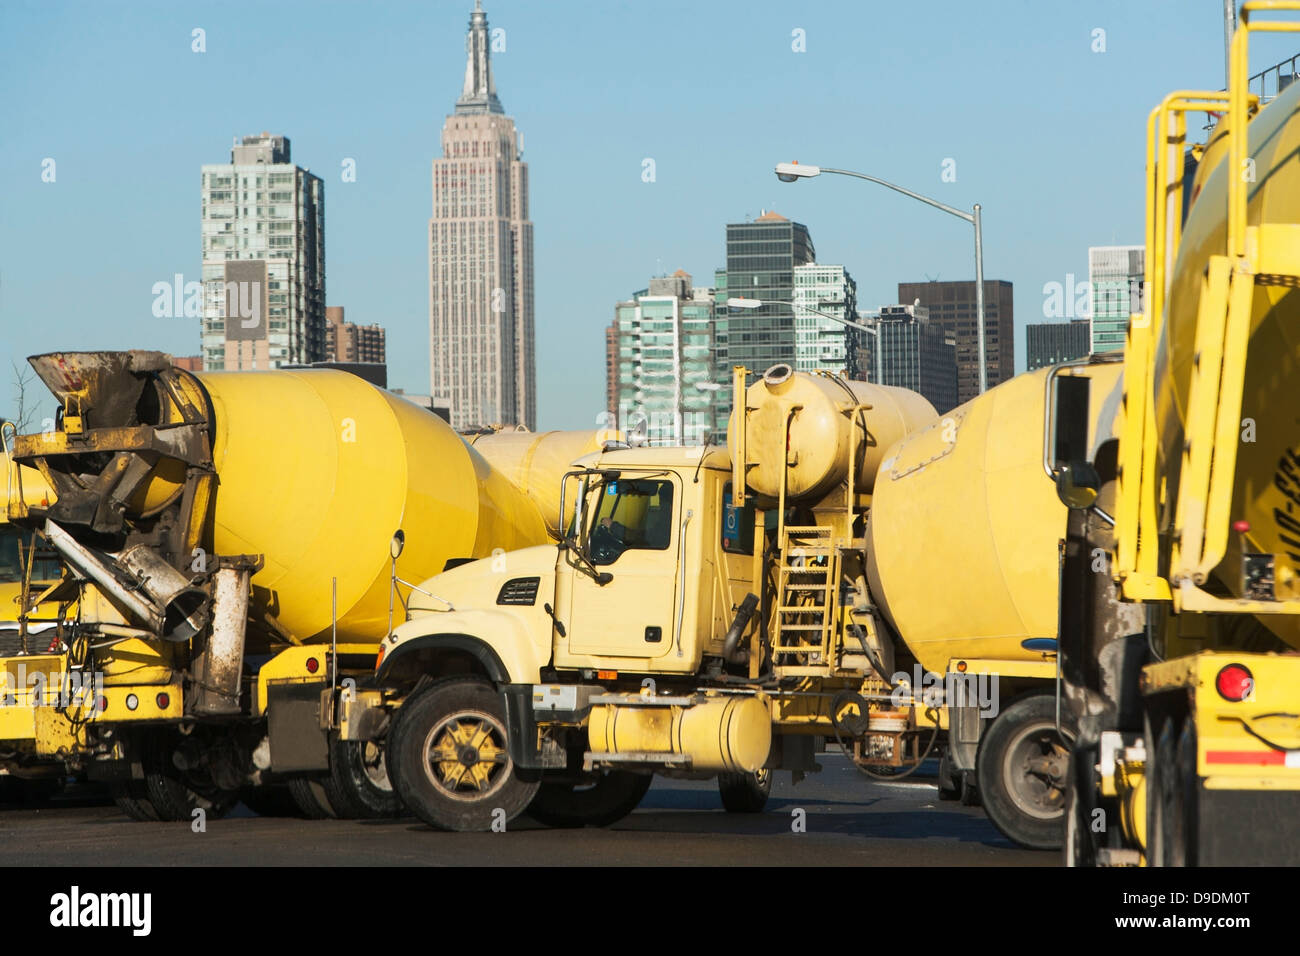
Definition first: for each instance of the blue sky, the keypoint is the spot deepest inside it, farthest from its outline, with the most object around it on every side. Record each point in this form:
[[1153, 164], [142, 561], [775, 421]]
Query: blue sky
[[1046, 134]]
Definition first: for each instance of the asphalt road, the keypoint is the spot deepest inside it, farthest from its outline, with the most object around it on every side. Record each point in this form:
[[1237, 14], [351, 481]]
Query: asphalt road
[[850, 821]]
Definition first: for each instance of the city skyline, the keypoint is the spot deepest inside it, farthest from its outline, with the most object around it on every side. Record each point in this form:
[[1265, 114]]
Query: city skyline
[[593, 123]]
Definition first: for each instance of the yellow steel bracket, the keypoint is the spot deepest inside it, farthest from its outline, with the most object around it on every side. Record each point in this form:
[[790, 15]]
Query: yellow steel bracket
[[739, 443]]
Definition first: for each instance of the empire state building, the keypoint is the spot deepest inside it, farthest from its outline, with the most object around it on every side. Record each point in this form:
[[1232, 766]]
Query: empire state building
[[481, 348]]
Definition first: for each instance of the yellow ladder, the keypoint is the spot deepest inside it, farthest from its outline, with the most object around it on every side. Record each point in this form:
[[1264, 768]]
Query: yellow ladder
[[807, 585]]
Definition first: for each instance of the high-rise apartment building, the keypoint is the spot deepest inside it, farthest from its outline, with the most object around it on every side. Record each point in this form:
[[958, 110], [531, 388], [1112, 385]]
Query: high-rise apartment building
[[821, 342], [481, 341], [1115, 275], [918, 353], [666, 362], [1050, 343], [952, 305], [348, 342], [761, 258], [263, 233]]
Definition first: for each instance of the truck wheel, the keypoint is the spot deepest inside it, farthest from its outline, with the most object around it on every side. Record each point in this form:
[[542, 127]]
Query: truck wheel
[[611, 798], [177, 801], [1170, 844], [173, 795], [1153, 781], [1080, 850], [745, 792], [358, 787], [1188, 791], [312, 800], [1021, 769], [453, 768], [132, 798]]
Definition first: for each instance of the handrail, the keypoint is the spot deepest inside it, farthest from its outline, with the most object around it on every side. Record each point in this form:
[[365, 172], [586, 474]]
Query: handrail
[[1136, 506], [1238, 94]]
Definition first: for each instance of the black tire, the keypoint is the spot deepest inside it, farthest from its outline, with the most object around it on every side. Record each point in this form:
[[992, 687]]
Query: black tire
[[312, 800], [1171, 848], [1154, 782], [172, 794], [745, 792], [1080, 847], [358, 787], [132, 798], [1188, 792], [1021, 769], [611, 798], [464, 720], [270, 800]]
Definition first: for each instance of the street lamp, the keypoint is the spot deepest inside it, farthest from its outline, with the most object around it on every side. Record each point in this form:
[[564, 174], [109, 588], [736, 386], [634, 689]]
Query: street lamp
[[791, 172], [736, 303]]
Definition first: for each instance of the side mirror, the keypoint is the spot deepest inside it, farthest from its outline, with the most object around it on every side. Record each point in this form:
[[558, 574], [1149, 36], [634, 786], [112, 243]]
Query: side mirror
[[1077, 484], [397, 544]]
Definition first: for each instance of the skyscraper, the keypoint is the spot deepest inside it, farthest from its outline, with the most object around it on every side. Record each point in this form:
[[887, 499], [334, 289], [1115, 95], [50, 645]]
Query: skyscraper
[[761, 256], [1115, 274], [481, 346], [917, 353], [666, 361], [263, 231], [952, 305], [1050, 343], [821, 342]]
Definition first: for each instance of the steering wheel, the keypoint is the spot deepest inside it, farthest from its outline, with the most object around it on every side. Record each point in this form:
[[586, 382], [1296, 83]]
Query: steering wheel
[[605, 547]]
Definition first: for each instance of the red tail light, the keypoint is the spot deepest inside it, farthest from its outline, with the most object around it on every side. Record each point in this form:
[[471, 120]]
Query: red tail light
[[1235, 683], [313, 665]]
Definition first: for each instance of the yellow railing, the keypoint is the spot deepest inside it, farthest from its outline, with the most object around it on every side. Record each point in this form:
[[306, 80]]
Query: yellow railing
[[1137, 557]]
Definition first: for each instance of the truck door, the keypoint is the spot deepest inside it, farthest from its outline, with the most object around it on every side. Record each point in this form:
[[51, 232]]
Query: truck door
[[631, 532]]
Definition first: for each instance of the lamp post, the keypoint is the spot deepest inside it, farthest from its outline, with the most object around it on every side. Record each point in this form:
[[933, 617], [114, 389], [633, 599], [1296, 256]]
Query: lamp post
[[874, 331], [792, 172]]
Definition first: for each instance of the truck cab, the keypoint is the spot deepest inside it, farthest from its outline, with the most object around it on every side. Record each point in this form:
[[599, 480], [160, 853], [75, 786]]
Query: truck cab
[[611, 633]]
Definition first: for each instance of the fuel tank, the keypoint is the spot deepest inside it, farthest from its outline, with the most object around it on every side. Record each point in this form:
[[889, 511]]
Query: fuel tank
[[964, 523], [809, 422], [1267, 480]]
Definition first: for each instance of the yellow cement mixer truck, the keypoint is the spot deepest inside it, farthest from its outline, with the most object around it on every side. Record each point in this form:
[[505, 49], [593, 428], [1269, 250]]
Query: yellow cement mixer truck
[[1181, 575], [230, 537], [712, 612]]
